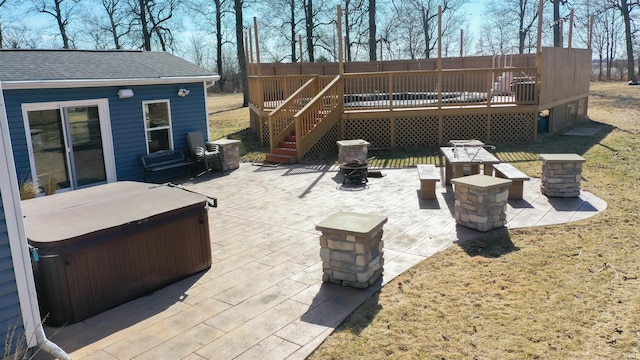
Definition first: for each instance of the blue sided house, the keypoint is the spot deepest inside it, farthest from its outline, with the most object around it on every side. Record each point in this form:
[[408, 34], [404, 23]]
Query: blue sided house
[[20, 322], [73, 119], [80, 118]]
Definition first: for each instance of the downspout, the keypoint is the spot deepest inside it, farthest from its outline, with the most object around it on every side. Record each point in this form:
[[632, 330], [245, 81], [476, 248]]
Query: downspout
[[18, 245]]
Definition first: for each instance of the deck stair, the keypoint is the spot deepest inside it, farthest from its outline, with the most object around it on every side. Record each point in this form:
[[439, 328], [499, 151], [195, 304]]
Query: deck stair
[[285, 153]]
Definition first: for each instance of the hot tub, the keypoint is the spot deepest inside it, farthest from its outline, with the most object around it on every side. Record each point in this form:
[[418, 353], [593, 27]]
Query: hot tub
[[102, 246]]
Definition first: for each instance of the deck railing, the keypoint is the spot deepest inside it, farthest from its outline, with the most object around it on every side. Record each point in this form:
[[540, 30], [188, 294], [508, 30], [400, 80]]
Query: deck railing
[[413, 89], [281, 118], [267, 92], [434, 89]]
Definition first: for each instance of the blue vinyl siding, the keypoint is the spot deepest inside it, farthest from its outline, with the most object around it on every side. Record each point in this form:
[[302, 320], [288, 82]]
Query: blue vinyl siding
[[127, 123], [10, 315]]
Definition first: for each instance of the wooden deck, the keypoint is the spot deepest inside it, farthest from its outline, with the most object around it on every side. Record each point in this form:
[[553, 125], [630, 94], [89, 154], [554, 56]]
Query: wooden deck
[[418, 107]]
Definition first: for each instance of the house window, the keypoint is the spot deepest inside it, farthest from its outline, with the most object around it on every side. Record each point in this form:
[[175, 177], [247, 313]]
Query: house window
[[157, 123]]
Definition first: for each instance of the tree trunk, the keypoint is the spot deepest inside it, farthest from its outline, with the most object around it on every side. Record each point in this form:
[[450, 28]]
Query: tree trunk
[[218, 4], [146, 35], [61, 25], [624, 9], [292, 19], [114, 32], [556, 23], [427, 34], [242, 61], [308, 21], [372, 31], [347, 31]]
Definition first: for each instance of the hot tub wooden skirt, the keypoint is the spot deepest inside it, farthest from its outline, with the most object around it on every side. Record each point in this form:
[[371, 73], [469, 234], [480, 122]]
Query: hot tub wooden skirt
[[82, 275]]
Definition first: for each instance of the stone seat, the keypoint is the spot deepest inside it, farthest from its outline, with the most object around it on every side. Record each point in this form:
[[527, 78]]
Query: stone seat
[[508, 171], [429, 175]]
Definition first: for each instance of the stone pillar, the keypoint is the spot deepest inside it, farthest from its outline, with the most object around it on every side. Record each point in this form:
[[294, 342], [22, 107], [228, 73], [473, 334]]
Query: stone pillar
[[351, 248], [349, 150], [481, 201], [561, 175], [230, 152]]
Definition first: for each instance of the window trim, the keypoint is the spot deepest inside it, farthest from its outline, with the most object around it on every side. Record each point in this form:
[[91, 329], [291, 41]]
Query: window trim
[[105, 131], [147, 130]]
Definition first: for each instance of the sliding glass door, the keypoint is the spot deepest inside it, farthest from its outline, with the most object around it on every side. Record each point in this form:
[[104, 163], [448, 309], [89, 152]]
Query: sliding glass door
[[68, 146]]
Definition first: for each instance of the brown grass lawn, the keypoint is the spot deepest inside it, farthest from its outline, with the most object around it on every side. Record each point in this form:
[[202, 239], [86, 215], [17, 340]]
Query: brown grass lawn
[[556, 292], [228, 119]]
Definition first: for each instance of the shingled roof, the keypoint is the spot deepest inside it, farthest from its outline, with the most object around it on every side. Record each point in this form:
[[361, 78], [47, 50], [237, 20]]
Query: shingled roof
[[82, 66]]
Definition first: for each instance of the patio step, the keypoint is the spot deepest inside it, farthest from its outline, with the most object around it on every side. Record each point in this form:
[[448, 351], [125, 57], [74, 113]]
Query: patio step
[[288, 144], [290, 138], [284, 151], [280, 158]]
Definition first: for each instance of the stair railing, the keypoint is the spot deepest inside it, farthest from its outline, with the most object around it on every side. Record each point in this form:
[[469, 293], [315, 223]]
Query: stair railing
[[317, 116], [281, 118]]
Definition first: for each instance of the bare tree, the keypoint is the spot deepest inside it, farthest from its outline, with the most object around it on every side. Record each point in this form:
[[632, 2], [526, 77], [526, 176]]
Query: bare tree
[[426, 12], [111, 31], [354, 15], [607, 33], [242, 60], [409, 39], [496, 31], [282, 20], [152, 17], [557, 36], [210, 13], [372, 30], [119, 23], [516, 18], [308, 26], [625, 7], [62, 11], [19, 36], [2, 3]]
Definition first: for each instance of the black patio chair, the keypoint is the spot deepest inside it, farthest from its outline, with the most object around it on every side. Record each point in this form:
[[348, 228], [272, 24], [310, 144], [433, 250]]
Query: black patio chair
[[207, 153]]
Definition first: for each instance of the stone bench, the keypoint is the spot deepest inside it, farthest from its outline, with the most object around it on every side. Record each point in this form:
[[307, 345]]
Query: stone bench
[[508, 171], [429, 175]]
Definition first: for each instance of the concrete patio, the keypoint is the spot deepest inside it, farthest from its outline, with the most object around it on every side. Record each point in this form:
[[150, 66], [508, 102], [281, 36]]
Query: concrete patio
[[263, 297]]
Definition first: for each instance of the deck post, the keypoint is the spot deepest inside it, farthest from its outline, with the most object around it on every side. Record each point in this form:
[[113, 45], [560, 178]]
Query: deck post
[[538, 54], [258, 69], [340, 55], [439, 85], [341, 126]]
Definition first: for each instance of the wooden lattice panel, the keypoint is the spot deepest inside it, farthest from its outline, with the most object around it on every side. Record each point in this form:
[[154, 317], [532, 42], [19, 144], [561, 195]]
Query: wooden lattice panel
[[327, 145], [465, 127], [509, 128], [375, 131], [414, 131], [265, 129]]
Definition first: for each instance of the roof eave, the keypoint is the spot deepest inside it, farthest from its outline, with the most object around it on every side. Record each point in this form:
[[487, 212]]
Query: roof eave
[[51, 84]]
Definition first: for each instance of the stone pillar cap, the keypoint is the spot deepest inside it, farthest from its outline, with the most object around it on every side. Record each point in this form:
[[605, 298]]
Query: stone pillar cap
[[481, 181], [352, 222], [562, 158], [354, 142], [225, 141]]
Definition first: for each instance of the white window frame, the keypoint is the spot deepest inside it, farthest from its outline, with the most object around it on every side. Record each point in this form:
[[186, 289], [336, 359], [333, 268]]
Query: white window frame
[[105, 131], [147, 130]]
